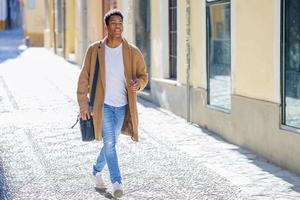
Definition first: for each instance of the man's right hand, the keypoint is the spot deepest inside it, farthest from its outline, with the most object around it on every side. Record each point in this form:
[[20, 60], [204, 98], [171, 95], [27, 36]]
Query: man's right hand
[[85, 115]]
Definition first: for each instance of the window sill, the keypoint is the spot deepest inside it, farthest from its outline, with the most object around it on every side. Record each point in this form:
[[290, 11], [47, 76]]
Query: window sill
[[167, 80], [219, 109], [290, 129]]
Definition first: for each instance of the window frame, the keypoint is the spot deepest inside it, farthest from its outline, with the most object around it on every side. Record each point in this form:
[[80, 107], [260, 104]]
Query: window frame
[[172, 67], [283, 75], [212, 2], [282, 63]]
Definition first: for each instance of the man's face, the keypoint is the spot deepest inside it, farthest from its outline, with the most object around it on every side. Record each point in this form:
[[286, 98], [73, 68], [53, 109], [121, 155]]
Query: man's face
[[115, 26]]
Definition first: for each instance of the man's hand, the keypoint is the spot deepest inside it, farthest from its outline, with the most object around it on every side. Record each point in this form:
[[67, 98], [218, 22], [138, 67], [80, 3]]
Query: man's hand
[[134, 86], [85, 115]]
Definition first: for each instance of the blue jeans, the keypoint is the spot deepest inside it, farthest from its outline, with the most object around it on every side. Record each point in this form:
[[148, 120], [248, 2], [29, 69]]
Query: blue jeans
[[112, 122]]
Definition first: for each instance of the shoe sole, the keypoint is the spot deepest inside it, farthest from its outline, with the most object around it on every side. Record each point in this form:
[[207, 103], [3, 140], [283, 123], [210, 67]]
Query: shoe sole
[[118, 193], [101, 187]]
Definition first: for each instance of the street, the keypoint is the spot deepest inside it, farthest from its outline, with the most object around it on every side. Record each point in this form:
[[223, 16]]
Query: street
[[41, 157]]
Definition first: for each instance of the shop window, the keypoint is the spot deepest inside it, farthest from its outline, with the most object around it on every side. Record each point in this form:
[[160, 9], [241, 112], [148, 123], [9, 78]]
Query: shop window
[[291, 63], [218, 53]]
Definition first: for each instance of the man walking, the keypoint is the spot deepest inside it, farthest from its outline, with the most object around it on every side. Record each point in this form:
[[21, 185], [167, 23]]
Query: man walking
[[122, 73]]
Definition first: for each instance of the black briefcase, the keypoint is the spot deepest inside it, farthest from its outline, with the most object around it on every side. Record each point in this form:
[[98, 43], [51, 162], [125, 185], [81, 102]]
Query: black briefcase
[[87, 129]]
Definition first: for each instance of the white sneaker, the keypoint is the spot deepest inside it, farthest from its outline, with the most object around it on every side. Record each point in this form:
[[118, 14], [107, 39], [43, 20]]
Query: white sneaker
[[117, 190], [99, 181]]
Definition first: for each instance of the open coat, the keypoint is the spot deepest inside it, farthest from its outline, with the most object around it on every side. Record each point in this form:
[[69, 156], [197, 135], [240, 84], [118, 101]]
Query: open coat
[[134, 69]]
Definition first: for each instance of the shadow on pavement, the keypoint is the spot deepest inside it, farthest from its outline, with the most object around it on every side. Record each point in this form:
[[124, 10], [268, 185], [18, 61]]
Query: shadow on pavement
[[262, 163], [271, 168], [104, 193]]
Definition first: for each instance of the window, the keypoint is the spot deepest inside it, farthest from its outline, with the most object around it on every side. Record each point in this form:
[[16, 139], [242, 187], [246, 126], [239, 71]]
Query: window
[[31, 4], [218, 53], [173, 38], [291, 63], [143, 30]]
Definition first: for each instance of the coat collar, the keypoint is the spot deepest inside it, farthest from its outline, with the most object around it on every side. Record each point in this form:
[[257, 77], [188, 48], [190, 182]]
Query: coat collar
[[124, 43]]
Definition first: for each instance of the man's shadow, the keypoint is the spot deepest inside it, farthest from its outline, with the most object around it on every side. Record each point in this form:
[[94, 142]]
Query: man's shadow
[[104, 193]]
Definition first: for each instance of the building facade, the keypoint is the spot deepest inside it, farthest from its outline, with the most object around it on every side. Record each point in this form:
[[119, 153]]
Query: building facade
[[231, 66], [71, 25]]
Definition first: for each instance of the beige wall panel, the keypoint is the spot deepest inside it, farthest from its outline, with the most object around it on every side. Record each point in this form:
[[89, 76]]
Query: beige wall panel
[[81, 42], [47, 39], [34, 23], [159, 39], [95, 21], [254, 75], [127, 8], [155, 45], [48, 35], [123, 6], [170, 95], [35, 18], [257, 123], [70, 28], [198, 69], [212, 119], [50, 4], [77, 33]]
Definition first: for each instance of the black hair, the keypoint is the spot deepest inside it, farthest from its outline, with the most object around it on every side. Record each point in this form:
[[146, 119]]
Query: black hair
[[112, 13]]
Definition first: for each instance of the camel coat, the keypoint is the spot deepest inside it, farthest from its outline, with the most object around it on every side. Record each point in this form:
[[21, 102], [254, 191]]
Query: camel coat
[[134, 68]]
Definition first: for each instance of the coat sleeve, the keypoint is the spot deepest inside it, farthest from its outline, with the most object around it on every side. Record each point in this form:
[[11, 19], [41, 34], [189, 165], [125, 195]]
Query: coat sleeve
[[83, 82], [141, 71]]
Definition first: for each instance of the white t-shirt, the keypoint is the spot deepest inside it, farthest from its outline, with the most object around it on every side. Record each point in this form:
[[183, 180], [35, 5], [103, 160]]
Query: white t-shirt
[[115, 89]]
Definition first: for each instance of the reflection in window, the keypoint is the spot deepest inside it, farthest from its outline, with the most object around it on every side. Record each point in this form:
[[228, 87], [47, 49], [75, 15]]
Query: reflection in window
[[219, 54], [291, 63], [143, 31], [31, 4]]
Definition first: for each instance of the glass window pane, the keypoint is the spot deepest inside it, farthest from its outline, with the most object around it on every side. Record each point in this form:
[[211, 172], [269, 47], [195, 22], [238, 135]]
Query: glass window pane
[[292, 63], [219, 55], [31, 4], [143, 31]]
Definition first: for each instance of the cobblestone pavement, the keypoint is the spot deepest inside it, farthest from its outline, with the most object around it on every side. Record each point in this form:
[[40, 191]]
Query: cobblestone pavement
[[43, 158], [9, 43]]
